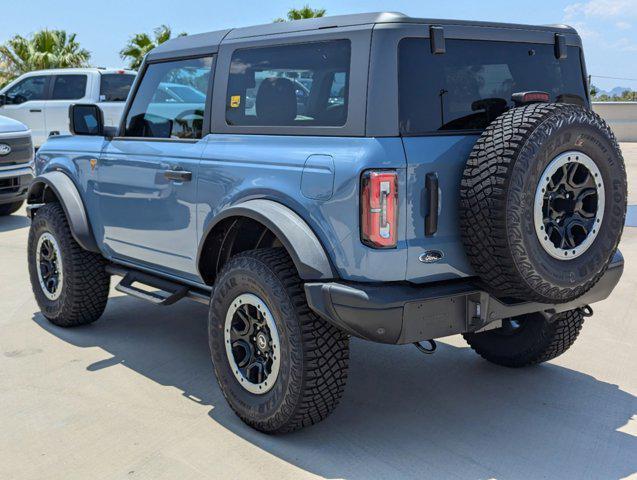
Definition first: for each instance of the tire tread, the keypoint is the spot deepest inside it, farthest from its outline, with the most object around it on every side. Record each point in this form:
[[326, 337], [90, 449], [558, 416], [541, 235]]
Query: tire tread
[[554, 338], [86, 282]]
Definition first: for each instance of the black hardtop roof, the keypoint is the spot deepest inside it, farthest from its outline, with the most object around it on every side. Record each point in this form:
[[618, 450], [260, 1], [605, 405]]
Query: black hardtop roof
[[209, 42]]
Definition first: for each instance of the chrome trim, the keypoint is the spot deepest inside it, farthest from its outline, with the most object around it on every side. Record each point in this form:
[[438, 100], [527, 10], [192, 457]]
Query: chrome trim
[[12, 135], [16, 172]]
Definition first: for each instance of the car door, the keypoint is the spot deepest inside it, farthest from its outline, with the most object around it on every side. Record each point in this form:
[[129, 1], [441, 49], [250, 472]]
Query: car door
[[65, 90], [26, 102], [147, 177]]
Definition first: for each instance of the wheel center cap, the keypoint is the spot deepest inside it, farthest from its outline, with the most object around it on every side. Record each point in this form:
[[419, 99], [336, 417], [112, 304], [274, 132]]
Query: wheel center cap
[[262, 341]]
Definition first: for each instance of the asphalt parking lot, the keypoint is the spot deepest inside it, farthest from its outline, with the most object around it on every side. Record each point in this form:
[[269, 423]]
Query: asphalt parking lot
[[133, 396]]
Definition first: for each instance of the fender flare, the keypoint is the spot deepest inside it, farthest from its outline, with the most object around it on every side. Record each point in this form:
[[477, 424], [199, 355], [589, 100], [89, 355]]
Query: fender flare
[[71, 201], [293, 232]]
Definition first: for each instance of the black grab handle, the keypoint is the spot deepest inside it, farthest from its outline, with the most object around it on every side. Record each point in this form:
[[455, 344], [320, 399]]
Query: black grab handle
[[431, 187]]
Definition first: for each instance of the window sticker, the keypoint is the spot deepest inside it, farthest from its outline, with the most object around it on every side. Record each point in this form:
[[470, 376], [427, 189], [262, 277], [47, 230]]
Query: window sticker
[[235, 101]]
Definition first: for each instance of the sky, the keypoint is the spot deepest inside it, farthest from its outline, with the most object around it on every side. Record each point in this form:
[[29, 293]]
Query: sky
[[608, 27]]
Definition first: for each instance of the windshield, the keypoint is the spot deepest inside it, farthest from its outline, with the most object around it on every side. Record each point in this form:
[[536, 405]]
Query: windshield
[[471, 84]]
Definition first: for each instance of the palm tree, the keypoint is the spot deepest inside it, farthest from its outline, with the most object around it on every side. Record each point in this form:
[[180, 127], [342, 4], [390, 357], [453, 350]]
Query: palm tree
[[142, 43], [43, 49], [5, 75], [301, 13]]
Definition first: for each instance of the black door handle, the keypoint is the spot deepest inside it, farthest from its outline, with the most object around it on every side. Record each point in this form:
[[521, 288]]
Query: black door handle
[[431, 219], [36, 110], [178, 175]]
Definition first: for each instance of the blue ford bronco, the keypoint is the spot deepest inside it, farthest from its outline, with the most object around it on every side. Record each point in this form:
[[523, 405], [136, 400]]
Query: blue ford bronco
[[391, 178]]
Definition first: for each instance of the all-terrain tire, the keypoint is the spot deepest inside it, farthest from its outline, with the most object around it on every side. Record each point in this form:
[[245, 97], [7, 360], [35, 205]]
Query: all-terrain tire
[[314, 354], [9, 208], [497, 198], [85, 283], [536, 340]]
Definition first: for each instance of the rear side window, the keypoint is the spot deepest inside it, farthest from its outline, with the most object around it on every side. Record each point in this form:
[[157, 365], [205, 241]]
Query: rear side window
[[114, 87], [170, 100], [69, 87], [290, 85], [471, 84]]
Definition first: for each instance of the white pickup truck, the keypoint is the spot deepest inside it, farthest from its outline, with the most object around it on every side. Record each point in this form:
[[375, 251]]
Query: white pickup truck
[[41, 99]]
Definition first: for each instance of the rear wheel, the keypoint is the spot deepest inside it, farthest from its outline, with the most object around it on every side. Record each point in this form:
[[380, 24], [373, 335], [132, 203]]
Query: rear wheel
[[278, 364], [70, 284], [528, 339], [9, 208]]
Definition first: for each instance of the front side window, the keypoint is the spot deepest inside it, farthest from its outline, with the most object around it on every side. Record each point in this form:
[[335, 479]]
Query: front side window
[[471, 84], [69, 87], [290, 85], [114, 87], [32, 88], [170, 100]]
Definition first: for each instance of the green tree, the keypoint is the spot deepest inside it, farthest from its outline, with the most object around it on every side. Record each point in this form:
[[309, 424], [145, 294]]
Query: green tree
[[142, 43], [301, 13], [44, 49]]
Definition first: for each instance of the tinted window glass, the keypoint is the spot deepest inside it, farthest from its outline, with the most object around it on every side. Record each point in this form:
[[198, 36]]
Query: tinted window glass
[[289, 85], [161, 109], [69, 87], [470, 85], [32, 88], [114, 87], [176, 93]]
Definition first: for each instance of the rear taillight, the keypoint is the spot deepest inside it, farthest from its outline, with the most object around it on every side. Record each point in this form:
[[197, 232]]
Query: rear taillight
[[379, 208]]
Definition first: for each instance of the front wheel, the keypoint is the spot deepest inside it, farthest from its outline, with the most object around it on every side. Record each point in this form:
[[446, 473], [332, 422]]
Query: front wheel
[[70, 284], [278, 364], [528, 339]]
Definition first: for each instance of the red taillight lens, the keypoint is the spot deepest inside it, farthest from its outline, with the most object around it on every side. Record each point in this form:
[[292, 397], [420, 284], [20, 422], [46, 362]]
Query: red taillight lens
[[379, 208]]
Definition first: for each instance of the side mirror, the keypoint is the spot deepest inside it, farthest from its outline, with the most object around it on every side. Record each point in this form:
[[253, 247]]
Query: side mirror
[[3, 99], [86, 119]]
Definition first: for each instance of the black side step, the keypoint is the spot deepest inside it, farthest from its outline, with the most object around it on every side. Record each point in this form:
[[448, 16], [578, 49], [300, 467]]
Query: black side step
[[167, 292]]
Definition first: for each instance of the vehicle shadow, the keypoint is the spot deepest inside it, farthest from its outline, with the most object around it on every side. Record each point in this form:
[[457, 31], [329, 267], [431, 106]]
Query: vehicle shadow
[[13, 222], [450, 415]]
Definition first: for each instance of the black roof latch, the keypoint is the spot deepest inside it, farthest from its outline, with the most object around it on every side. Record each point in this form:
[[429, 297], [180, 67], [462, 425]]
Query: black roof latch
[[560, 46], [437, 39]]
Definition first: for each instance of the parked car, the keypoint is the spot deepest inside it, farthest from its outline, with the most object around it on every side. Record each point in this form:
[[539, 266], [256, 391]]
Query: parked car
[[444, 178], [41, 99], [16, 165]]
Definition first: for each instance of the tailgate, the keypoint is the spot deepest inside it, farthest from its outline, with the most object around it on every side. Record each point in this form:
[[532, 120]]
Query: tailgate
[[445, 156]]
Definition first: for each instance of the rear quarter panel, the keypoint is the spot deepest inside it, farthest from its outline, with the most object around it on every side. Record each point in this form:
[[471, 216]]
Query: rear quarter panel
[[237, 168]]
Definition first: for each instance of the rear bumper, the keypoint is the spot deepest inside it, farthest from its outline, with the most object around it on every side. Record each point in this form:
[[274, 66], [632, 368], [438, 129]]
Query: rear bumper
[[404, 313], [14, 183]]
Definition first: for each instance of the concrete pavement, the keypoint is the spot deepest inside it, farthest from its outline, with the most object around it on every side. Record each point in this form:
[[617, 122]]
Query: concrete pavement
[[133, 396]]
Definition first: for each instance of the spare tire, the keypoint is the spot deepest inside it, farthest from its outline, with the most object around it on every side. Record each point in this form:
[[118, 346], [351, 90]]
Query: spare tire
[[543, 202]]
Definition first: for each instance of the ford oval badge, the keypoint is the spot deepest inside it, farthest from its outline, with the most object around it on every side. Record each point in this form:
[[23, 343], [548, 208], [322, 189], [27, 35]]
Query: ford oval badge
[[431, 256], [5, 149]]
